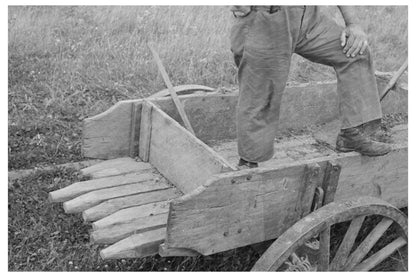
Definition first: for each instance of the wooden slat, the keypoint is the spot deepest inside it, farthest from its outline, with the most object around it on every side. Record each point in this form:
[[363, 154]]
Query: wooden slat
[[107, 135], [179, 156], [345, 247], [239, 208], [129, 214], [79, 188], [367, 244], [113, 205], [145, 131], [114, 233], [381, 255], [135, 246], [93, 198], [135, 130], [115, 167]]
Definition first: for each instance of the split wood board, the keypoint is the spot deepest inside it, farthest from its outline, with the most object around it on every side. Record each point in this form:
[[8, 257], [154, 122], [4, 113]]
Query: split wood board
[[225, 214], [116, 167], [108, 135], [179, 156], [241, 208]]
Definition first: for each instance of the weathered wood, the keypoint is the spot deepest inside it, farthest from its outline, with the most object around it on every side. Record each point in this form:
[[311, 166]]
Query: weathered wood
[[135, 246], [381, 255], [367, 244], [145, 131], [180, 90], [176, 252], [130, 214], [113, 205], [324, 245], [172, 91], [114, 233], [93, 198], [330, 183], [306, 192], [135, 129], [115, 167], [385, 176], [345, 247], [107, 135], [79, 188], [239, 208], [179, 156], [319, 220], [393, 80]]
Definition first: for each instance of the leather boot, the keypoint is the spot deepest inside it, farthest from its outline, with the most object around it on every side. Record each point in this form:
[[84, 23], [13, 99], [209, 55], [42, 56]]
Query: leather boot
[[243, 164], [353, 139]]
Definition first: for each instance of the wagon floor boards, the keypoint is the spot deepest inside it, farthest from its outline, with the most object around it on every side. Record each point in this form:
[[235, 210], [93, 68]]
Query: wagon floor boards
[[125, 201]]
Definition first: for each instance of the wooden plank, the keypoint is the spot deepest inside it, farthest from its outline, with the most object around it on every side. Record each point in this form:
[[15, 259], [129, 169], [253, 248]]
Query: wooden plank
[[115, 167], [93, 198], [145, 131], [107, 135], [324, 247], [239, 208], [113, 205], [129, 214], [182, 158], [164, 251], [135, 246], [135, 129], [114, 233], [79, 188], [180, 90]]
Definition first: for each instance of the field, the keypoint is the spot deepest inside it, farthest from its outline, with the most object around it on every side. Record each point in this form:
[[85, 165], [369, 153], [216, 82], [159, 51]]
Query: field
[[69, 63]]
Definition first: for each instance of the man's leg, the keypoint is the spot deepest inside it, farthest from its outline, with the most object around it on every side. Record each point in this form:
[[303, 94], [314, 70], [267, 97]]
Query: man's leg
[[262, 75], [357, 89]]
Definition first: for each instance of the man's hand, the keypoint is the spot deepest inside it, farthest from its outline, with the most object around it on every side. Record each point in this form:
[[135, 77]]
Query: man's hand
[[354, 40]]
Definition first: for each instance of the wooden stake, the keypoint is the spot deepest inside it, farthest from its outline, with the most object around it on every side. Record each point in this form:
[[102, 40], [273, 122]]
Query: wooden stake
[[393, 80], [172, 91]]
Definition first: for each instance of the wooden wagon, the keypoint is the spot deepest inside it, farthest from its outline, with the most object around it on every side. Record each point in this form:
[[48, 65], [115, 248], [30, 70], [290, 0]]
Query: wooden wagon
[[164, 190]]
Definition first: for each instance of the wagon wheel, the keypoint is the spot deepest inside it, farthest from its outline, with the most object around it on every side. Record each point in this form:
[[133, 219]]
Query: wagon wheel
[[283, 252]]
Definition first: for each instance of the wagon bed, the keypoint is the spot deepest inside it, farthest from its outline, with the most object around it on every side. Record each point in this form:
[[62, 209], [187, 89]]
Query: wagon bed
[[163, 190]]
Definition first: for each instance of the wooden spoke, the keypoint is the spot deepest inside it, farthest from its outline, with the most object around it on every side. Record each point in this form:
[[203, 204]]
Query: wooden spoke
[[382, 254], [347, 243], [324, 244], [367, 244]]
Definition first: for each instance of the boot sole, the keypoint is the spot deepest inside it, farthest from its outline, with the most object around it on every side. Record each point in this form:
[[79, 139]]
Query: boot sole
[[346, 150]]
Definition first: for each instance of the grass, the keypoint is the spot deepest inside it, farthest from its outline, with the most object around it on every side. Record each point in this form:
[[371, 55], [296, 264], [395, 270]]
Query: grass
[[68, 63]]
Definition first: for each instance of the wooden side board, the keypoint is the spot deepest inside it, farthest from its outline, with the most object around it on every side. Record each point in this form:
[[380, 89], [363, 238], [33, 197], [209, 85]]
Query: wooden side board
[[240, 208], [179, 156], [115, 132], [108, 135], [216, 112]]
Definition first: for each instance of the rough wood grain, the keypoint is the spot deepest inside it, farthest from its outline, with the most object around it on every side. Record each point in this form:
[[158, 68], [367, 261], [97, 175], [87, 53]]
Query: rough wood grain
[[239, 208], [176, 252], [113, 205], [130, 214], [324, 245], [79, 188], [115, 167], [145, 131], [135, 246], [93, 198], [114, 233], [107, 135], [179, 156]]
